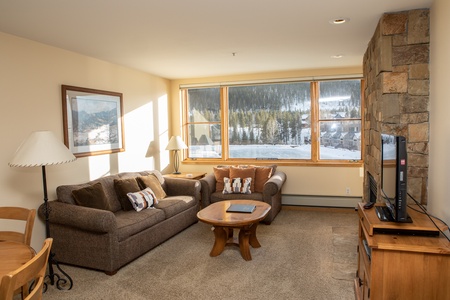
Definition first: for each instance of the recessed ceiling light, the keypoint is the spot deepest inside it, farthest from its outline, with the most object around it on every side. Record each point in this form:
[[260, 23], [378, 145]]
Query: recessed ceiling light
[[337, 56], [339, 21]]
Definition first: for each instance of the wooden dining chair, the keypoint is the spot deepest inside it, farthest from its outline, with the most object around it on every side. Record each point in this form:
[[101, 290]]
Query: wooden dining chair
[[32, 271], [22, 214]]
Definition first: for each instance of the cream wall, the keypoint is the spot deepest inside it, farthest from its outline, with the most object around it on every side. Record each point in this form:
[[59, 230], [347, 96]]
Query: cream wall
[[31, 75], [439, 166], [302, 180]]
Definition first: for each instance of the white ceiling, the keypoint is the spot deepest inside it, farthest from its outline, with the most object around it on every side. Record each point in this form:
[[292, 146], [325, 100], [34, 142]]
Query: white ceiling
[[178, 39]]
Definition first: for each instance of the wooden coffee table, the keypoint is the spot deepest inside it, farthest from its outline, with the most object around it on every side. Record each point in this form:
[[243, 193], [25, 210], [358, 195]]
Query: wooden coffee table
[[224, 223]]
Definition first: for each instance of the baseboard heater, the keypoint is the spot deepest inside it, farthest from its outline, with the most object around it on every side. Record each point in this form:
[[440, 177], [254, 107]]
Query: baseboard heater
[[326, 201]]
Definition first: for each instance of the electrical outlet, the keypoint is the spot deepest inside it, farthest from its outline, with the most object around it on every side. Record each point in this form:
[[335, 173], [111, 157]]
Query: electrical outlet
[[347, 191]]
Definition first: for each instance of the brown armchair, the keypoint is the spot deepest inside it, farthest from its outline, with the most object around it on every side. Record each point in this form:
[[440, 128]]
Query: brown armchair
[[271, 193]]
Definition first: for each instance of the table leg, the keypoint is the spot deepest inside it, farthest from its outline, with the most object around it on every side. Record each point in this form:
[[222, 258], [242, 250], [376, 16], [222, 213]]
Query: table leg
[[221, 237], [247, 238], [244, 246], [253, 240]]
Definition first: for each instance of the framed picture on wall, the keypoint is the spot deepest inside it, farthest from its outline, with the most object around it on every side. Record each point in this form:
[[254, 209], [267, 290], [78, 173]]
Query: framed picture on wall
[[93, 121]]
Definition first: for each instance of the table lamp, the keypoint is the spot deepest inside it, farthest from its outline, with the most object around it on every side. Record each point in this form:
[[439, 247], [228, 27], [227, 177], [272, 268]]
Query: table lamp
[[176, 144], [41, 149]]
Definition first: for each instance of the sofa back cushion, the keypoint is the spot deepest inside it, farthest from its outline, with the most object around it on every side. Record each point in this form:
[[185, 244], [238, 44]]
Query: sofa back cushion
[[92, 196], [152, 182], [123, 187], [156, 173], [64, 192]]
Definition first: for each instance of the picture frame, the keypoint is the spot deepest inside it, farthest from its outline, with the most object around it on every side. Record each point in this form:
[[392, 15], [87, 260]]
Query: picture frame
[[93, 121]]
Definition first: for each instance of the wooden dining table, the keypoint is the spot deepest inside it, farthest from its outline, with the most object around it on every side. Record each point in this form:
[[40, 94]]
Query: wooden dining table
[[13, 255]]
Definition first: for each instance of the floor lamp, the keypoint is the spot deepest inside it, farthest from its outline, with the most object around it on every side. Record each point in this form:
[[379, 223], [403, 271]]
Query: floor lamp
[[41, 149], [176, 144]]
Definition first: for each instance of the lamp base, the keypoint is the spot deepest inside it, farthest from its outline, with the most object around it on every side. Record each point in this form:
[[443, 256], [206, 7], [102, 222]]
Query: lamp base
[[176, 173], [55, 279]]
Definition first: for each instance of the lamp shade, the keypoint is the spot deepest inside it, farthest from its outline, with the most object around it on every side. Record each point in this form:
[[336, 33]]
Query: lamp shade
[[176, 143], [41, 148]]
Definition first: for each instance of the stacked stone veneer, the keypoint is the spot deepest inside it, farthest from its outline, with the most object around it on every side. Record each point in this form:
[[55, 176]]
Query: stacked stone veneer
[[397, 95]]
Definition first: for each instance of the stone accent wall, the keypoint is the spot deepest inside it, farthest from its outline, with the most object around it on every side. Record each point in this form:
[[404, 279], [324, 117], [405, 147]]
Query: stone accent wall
[[396, 94]]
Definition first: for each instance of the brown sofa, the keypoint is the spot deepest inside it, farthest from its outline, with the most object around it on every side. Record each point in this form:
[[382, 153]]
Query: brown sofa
[[105, 239], [267, 189]]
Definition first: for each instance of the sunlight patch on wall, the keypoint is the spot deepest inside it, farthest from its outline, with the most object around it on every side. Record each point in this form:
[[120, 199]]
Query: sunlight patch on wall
[[99, 166], [163, 131], [140, 132]]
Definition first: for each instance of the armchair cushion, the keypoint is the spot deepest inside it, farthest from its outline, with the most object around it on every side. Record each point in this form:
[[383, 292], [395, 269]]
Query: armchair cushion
[[248, 172], [92, 196], [220, 173], [262, 174]]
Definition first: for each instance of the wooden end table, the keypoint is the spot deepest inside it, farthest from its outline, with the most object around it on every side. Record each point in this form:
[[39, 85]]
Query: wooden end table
[[224, 222], [187, 175]]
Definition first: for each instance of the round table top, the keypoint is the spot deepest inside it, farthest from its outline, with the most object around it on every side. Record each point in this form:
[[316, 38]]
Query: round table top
[[216, 213], [13, 255]]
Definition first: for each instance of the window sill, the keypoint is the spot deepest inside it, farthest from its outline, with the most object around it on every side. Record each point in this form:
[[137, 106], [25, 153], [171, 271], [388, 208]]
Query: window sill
[[284, 162]]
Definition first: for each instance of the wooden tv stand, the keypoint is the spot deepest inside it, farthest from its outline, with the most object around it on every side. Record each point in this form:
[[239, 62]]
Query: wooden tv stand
[[399, 265]]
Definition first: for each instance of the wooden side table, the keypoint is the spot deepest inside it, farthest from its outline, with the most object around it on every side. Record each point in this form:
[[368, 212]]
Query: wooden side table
[[187, 175], [216, 215], [399, 265]]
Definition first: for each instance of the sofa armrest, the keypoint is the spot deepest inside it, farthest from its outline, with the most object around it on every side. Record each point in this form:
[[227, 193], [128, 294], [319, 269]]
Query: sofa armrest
[[208, 187], [274, 184], [182, 187], [84, 218]]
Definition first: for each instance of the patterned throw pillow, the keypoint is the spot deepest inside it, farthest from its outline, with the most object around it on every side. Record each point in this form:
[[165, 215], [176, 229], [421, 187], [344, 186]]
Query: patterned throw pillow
[[237, 185], [143, 199]]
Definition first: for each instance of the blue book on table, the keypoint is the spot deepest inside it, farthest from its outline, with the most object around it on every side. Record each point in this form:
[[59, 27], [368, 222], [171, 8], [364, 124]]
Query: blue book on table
[[241, 208]]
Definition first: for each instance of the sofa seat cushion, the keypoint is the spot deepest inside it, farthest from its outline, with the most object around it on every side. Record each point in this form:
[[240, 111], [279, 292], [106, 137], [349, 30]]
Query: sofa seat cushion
[[219, 196], [132, 222], [173, 205]]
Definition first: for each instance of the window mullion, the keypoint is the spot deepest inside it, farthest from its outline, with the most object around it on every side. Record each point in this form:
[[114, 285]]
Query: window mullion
[[185, 121], [315, 129], [224, 121]]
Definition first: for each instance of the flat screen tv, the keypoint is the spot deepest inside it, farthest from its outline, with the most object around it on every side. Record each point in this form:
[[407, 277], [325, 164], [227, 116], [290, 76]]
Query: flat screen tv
[[393, 179]]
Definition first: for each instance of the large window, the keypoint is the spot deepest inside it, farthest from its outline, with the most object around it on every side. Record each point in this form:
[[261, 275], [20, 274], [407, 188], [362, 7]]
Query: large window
[[297, 121]]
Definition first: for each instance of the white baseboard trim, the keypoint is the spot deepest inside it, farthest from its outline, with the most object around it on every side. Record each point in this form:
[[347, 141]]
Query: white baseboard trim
[[328, 201]]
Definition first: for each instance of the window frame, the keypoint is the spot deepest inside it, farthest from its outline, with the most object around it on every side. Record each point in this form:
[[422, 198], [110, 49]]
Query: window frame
[[315, 127]]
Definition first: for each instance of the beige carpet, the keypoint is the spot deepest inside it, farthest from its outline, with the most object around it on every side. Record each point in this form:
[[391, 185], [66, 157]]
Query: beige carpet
[[304, 255]]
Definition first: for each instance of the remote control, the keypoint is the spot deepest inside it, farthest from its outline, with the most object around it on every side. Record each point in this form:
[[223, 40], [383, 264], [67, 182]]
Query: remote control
[[369, 205]]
